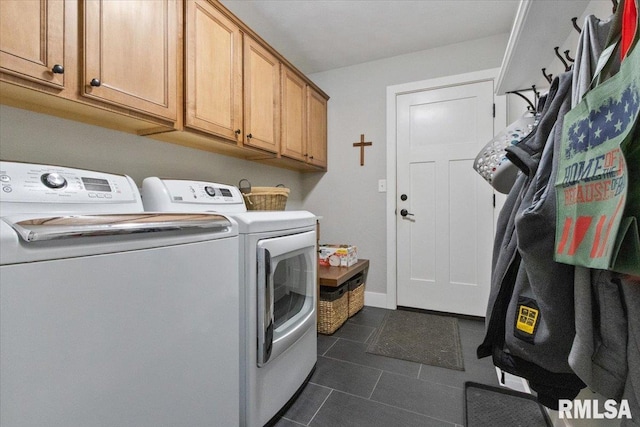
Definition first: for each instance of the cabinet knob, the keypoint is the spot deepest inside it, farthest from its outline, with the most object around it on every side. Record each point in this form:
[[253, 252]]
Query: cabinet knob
[[57, 69], [306, 155], [311, 157], [249, 136], [95, 83], [237, 132]]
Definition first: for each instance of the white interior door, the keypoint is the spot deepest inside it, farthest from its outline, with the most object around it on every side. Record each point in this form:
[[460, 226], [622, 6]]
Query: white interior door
[[444, 208]]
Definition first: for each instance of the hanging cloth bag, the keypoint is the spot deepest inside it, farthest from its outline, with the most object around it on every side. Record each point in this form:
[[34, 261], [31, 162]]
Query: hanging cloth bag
[[598, 194]]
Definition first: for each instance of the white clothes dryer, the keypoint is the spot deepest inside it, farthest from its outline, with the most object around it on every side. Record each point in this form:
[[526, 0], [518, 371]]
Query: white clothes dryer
[[110, 316], [278, 271]]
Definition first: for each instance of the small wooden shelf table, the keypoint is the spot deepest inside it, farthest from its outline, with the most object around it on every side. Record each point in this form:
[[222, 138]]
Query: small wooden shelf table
[[336, 276]]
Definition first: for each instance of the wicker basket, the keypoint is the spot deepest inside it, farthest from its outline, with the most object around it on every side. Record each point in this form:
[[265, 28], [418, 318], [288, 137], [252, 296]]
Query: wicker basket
[[266, 198], [333, 309], [356, 297]]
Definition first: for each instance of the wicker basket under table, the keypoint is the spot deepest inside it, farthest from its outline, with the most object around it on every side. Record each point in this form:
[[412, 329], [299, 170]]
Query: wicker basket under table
[[356, 294], [333, 309]]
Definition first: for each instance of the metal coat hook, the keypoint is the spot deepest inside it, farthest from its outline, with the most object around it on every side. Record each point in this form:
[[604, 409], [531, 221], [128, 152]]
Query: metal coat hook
[[549, 77], [566, 55], [573, 20], [566, 66], [533, 106]]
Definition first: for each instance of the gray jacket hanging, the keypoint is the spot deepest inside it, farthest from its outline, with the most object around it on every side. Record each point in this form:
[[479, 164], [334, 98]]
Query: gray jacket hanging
[[530, 318]]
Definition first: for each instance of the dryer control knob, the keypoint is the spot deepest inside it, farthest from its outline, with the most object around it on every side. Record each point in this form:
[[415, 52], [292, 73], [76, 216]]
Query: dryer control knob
[[210, 191], [53, 180]]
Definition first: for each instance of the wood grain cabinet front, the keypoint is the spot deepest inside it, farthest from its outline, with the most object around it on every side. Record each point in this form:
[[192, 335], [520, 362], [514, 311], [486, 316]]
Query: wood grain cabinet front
[[261, 97], [293, 142], [304, 121], [316, 128], [34, 49], [213, 72], [130, 51]]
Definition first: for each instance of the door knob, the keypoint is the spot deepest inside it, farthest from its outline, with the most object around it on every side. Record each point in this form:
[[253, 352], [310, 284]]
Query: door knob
[[405, 213], [403, 197]]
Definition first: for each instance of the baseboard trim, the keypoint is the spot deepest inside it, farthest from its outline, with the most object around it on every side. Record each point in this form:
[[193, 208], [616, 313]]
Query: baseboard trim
[[375, 299]]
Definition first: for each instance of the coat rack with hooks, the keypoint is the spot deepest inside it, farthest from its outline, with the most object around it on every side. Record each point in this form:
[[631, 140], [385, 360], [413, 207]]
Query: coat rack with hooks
[[527, 43], [567, 65]]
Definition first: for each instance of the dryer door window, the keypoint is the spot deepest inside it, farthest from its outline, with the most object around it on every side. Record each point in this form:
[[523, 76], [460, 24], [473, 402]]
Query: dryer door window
[[289, 289], [286, 292]]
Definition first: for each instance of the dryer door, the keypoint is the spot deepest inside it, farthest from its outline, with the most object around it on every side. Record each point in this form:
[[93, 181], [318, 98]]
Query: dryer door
[[286, 292]]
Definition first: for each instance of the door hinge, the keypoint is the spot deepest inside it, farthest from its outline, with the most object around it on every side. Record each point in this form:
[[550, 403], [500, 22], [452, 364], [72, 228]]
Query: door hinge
[[494, 110]]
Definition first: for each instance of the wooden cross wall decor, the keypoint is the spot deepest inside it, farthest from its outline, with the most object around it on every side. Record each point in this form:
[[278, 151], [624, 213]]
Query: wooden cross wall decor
[[362, 144]]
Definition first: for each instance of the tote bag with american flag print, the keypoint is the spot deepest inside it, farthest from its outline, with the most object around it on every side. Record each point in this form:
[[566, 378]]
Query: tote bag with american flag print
[[598, 180]]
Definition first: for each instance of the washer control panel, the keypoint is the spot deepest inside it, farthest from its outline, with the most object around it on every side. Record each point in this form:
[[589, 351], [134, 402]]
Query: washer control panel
[[34, 183], [202, 192], [176, 194]]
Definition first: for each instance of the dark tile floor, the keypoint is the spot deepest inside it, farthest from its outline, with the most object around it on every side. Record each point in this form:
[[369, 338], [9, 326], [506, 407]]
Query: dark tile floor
[[353, 388]]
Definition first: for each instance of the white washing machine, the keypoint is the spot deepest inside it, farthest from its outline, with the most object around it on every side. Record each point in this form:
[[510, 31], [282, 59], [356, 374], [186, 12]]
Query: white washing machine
[[110, 316], [278, 270]]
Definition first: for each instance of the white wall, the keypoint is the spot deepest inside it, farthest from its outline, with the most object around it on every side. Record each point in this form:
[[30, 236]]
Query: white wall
[[39, 138], [347, 195]]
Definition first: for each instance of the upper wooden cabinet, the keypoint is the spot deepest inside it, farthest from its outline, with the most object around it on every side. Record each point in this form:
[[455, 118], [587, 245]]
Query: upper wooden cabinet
[[316, 128], [304, 121], [213, 72], [187, 72], [261, 97], [294, 116], [130, 51], [33, 49]]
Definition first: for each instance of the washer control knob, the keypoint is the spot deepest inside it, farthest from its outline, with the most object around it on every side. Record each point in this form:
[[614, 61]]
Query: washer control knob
[[210, 191], [53, 180]]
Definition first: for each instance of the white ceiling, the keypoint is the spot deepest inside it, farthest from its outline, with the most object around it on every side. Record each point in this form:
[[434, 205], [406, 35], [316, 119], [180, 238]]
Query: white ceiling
[[320, 35]]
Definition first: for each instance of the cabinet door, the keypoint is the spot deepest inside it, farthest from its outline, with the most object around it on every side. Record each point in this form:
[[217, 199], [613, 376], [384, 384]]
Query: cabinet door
[[213, 74], [261, 97], [32, 40], [293, 140], [130, 54], [317, 128]]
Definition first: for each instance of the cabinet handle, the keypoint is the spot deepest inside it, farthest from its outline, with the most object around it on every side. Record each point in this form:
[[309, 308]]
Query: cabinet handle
[[306, 155], [311, 157], [95, 83], [57, 69], [249, 136]]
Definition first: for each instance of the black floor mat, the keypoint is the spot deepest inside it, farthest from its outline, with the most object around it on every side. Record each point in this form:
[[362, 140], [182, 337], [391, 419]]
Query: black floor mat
[[419, 337], [489, 406]]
